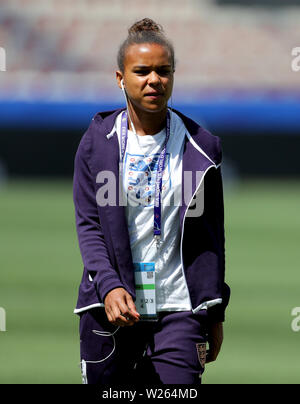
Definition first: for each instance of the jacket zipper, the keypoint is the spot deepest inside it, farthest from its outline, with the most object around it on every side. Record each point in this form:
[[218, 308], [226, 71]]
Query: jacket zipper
[[182, 232]]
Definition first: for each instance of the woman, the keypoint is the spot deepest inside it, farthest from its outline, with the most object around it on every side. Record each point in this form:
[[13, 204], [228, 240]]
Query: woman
[[152, 292]]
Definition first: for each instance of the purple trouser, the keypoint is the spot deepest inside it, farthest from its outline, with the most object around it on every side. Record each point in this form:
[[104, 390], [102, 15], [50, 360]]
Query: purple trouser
[[168, 351]]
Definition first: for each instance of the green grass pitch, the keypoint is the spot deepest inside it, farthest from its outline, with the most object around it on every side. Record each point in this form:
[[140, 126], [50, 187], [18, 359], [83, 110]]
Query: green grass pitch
[[41, 270]]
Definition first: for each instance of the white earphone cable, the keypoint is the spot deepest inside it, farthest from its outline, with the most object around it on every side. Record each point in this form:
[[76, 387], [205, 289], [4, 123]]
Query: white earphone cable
[[103, 334]]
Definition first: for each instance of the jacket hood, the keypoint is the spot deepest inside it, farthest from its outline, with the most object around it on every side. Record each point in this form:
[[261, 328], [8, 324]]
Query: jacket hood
[[206, 143]]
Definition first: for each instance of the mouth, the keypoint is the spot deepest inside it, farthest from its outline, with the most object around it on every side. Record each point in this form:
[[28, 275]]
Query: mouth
[[154, 95]]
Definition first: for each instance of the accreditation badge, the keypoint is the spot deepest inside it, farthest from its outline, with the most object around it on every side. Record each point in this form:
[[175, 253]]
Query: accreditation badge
[[145, 290]]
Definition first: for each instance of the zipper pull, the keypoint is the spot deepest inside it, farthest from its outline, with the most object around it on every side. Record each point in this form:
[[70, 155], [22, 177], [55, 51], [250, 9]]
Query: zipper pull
[[110, 135]]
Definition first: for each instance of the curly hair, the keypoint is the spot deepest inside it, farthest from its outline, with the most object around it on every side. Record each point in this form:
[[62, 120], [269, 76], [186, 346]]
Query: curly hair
[[145, 31]]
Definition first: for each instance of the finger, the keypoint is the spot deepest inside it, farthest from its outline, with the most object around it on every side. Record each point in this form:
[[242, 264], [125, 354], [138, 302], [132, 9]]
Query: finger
[[121, 315], [132, 308], [117, 322], [126, 315], [114, 316], [126, 321], [111, 315], [111, 318]]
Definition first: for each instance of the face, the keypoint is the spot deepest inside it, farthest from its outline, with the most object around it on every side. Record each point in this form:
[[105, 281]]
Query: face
[[147, 76]]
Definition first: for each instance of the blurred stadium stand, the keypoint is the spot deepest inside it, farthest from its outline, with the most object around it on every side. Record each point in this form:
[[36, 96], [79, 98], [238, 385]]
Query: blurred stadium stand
[[260, 3], [233, 75]]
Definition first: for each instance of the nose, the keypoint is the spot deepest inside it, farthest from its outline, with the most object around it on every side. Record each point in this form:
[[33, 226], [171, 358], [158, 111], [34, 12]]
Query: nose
[[153, 78]]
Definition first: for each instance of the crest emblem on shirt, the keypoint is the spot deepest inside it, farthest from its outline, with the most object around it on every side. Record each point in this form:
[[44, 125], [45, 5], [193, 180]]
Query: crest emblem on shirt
[[140, 178], [201, 351]]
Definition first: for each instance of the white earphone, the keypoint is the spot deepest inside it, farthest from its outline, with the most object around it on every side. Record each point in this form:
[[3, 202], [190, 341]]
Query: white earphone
[[125, 96]]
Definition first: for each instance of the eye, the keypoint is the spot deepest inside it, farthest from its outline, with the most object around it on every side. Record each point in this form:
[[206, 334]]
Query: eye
[[164, 72], [142, 72]]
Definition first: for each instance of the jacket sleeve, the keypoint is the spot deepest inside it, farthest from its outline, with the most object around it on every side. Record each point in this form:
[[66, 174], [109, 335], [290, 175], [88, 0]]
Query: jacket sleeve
[[90, 236], [216, 205]]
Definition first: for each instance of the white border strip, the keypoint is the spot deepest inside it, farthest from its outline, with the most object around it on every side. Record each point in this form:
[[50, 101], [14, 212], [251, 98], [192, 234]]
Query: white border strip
[[206, 305], [198, 147], [182, 232], [76, 311]]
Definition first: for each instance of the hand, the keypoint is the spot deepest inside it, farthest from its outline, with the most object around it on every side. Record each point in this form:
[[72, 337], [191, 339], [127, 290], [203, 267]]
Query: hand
[[215, 339], [120, 308]]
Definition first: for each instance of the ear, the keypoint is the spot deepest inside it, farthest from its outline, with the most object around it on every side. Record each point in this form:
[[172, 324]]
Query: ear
[[119, 77]]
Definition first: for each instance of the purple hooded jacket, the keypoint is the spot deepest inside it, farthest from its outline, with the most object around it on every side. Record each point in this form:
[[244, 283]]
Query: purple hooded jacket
[[102, 230]]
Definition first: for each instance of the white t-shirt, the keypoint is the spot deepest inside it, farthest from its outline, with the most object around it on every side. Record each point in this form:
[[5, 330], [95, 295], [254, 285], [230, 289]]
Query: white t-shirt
[[139, 173]]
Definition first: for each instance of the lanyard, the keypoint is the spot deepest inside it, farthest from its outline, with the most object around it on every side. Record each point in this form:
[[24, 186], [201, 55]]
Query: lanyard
[[159, 174]]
